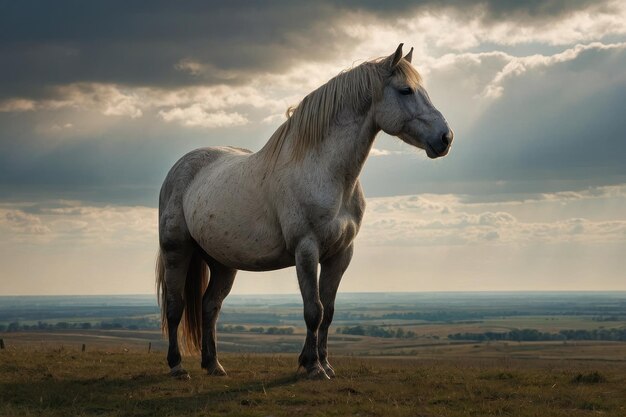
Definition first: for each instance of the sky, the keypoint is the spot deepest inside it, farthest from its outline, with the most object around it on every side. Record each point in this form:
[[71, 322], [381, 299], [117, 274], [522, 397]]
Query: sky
[[99, 99]]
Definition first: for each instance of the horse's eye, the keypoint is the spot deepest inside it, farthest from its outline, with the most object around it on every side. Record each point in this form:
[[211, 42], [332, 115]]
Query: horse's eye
[[405, 91]]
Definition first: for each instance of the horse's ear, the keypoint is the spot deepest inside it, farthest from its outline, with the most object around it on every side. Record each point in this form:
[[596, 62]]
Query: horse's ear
[[395, 58], [409, 56]]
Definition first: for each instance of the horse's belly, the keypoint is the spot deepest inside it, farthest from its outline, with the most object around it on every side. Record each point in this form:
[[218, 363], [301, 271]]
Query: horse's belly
[[237, 236], [241, 249]]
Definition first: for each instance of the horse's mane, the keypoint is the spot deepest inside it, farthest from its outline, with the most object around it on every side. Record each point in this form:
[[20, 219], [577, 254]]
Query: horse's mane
[[354, 89]]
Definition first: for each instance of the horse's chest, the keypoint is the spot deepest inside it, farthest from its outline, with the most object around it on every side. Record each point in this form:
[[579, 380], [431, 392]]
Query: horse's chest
[[333, 218], [338, 233]]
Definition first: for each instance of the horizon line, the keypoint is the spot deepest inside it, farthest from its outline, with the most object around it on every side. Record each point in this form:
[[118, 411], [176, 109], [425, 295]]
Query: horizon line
[[340, 293]]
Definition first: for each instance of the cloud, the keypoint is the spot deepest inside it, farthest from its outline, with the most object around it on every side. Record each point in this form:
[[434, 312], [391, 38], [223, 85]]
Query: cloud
[[607, 191], [419, 242], [577, 23], [413, 220], [17, 105], [542, 134], [110, 100], [205, 43], [203, 106], [81, 46], [274, 119], [517, 66], [20, 223], [198, 69], [197, 116], [551, 117], [54, 222], [436, 220], [384, 152], [106, 131], [100, 115], [195, 106], [191, 66]]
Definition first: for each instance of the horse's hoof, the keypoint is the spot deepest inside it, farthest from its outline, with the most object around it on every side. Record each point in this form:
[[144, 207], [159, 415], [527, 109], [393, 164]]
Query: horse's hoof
[[216, 370], [317, 372], [180, 373], [329, 370]]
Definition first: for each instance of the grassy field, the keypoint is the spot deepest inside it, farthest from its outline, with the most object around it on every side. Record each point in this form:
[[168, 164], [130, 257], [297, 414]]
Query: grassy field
[[43, 371], [118, 381]]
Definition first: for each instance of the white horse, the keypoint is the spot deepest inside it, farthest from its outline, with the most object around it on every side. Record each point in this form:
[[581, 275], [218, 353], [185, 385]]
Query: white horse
[[297, 201]]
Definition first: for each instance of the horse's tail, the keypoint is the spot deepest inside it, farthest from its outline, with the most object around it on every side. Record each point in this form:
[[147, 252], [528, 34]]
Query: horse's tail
[[195, 285], [161, 290]]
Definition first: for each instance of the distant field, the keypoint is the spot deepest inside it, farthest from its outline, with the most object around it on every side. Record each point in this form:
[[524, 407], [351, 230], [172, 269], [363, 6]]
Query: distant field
[[46, 381], [118, 340], [552, 324]]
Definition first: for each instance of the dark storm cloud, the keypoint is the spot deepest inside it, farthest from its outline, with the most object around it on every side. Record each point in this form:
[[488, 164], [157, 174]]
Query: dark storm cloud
[[120, 165], [554, 128], [494, 9], [140, 43], [45, 43], [533, 9]]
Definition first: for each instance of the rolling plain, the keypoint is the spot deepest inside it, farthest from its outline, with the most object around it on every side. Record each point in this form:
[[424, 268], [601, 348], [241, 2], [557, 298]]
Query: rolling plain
[[421, 370]]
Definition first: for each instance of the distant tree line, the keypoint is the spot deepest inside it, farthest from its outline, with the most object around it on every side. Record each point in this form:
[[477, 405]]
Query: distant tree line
[[607, 318], [530, 335], [377, 331], [64, 325], [132, 324], [450, 315], [256, 317], [467, 315], [261, 330], [435, 316]]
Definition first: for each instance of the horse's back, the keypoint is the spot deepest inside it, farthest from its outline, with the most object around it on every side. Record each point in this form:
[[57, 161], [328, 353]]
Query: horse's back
[[176, 183], [187, 167]]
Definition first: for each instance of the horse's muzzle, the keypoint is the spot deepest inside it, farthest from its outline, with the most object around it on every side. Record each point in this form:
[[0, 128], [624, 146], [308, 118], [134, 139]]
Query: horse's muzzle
[[442, 147]]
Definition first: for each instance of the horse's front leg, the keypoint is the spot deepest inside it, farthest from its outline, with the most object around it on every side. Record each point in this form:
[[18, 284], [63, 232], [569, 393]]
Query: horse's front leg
[[330, 277], [221, 282], [307, 258]]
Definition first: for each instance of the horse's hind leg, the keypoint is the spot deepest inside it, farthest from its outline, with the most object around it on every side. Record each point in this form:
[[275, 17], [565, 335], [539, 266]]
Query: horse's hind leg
[[330, 277], [220, 283], [176, 265]]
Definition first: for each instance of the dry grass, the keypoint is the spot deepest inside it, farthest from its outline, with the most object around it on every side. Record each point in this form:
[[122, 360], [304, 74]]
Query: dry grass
[[114, 382]]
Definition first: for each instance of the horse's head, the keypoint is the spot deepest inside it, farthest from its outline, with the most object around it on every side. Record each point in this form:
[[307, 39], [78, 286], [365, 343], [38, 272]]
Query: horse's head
[[403, 108]]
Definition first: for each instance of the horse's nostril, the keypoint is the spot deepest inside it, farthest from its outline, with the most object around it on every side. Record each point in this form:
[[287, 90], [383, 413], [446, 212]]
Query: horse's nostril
[[447, 138]]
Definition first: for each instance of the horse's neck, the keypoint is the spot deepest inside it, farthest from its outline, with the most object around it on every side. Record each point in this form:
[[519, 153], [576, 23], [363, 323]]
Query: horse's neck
[[339, 157], [343, 152]]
